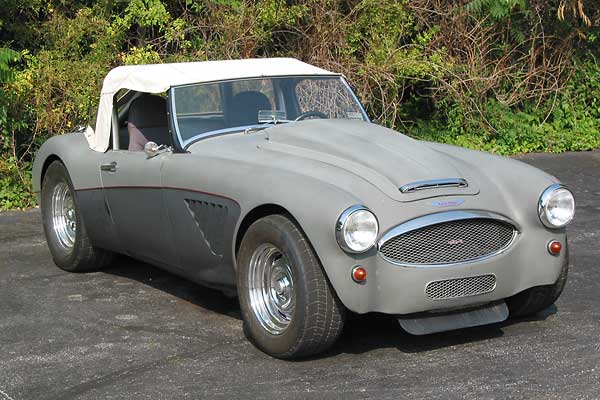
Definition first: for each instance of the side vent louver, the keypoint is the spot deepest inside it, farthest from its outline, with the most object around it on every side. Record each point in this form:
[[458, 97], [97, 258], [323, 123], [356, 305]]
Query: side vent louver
[[211, 219]]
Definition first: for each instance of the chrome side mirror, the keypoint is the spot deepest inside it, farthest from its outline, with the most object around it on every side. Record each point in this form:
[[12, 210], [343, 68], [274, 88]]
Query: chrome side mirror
[[151, 149]]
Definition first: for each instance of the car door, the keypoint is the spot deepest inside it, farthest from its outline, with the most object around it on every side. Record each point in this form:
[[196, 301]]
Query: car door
[[133, 190], [202, 216], [203, 221]]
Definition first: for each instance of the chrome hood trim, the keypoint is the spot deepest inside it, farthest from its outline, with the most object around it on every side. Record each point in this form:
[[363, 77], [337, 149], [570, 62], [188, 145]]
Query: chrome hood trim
[[434, 184]]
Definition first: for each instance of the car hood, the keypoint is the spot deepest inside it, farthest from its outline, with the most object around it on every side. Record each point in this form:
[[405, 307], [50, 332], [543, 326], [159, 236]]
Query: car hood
[[381, 156]]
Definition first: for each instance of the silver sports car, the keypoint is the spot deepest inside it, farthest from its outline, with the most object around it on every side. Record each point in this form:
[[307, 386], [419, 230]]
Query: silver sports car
[[265, 178]]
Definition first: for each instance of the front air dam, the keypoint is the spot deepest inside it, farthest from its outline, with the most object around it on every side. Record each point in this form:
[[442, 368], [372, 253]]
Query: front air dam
[[432, 323]]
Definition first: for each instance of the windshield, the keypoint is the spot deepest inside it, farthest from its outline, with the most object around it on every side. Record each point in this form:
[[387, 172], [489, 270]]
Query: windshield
[[212, 108]]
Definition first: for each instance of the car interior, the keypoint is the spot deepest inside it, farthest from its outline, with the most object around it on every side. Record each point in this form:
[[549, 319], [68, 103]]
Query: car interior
[[212, 107], [143, 117], [147, 121], [242, 111]]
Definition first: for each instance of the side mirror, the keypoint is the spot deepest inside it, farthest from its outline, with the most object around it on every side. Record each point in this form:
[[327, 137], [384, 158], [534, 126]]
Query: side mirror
[[151, 149]]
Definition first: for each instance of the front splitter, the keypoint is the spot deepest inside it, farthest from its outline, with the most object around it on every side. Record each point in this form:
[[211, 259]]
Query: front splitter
[[427, 324]]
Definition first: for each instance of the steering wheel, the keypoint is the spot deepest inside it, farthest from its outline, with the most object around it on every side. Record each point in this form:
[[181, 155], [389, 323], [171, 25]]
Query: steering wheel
[[308, 114]]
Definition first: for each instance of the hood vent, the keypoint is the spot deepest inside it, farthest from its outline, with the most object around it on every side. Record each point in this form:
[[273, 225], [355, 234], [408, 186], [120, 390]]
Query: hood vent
[[434, 184]]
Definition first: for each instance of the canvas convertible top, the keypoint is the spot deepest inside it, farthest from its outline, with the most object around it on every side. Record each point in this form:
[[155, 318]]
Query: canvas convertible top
[[157, 78]]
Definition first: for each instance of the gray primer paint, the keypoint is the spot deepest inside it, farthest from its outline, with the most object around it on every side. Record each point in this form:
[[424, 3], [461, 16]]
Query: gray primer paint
[[315, 169]]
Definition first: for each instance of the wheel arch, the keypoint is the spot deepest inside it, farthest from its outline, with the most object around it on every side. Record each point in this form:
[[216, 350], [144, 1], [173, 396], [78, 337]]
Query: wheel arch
[[49, 160], [40, 167], [257, 213], [264, 210], [73, 152]]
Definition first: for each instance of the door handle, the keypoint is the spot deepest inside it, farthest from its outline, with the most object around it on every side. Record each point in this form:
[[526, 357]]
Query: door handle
[[112, 167]]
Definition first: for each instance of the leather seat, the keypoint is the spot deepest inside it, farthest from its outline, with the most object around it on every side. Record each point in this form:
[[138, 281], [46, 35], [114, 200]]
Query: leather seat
[[245, 107], [148, 121]]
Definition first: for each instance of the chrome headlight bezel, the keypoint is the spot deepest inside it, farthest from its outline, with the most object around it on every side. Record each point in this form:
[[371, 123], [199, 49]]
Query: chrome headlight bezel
[[342, 223], [545, 198]]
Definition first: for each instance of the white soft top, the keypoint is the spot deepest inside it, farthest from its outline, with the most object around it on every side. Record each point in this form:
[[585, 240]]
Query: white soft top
[[158, 78]]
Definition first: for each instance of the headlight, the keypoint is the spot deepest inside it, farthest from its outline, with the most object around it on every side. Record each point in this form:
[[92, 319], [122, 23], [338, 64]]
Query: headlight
[[356, 229], [556, 206]]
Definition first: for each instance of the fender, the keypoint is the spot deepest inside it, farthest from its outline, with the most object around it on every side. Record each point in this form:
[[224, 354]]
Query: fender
[[73, 151]]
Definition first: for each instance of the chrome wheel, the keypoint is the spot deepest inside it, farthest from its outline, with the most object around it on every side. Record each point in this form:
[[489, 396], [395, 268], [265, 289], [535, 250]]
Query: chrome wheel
[[64, 218], [271, 286]]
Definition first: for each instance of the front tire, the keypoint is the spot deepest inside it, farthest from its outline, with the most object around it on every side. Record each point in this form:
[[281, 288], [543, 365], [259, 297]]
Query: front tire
[[287, 303], [64, 227], [533, 300]]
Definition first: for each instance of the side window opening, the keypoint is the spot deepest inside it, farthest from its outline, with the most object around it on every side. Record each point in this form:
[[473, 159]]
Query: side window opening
[[121, 102], [142, 117]]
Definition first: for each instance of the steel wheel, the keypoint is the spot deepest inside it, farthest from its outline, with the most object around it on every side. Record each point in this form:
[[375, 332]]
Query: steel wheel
[[271, 284], [64, 218], [288, 307]]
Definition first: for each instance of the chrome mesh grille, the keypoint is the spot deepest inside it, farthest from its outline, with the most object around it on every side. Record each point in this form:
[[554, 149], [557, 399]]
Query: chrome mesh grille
[[461, 287], [449, 242]]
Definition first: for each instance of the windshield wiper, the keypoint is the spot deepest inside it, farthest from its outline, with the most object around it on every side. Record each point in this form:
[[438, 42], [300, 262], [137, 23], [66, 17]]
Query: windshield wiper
[[251, 129], [264, 124]]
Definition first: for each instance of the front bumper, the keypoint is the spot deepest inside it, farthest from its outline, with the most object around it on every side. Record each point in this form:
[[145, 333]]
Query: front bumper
[[395, 289]]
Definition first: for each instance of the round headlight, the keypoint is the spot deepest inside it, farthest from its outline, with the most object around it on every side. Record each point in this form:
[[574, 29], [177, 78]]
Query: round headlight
[[556, 207], [356, 229]]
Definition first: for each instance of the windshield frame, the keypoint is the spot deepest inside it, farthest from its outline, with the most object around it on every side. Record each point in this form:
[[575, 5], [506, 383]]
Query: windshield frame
[[184, 144]]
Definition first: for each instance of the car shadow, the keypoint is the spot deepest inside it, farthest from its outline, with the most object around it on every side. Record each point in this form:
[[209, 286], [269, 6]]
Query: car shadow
[[185, 290], [362, 333]]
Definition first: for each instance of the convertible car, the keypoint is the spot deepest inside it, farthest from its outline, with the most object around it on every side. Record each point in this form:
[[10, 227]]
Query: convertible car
[[265, 178]]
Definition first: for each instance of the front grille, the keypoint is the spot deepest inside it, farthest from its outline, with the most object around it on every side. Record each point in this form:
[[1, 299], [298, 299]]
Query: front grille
[[461, 287], [449, 242]]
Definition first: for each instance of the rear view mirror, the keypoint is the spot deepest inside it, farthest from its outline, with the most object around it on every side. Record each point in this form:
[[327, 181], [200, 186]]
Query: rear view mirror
[[151, 149]]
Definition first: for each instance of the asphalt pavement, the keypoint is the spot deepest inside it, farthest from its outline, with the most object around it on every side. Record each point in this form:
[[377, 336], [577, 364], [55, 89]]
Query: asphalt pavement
[[135, 332]]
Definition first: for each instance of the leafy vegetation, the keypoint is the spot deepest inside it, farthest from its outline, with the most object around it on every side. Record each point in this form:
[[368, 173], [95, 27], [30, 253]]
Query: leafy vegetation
[[506, 76]]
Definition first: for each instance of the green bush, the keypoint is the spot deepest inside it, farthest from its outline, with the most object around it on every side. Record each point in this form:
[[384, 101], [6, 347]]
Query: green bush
[[15, 179], [505, 76], [571, 121]]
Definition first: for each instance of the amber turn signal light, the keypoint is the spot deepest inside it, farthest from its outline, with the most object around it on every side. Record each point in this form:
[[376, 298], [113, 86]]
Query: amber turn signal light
[[359, 274], [554, 247]]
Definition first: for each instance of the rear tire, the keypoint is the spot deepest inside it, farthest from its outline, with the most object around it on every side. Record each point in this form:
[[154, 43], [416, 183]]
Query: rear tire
[[288, 306], [64, 227], [531, 301]]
